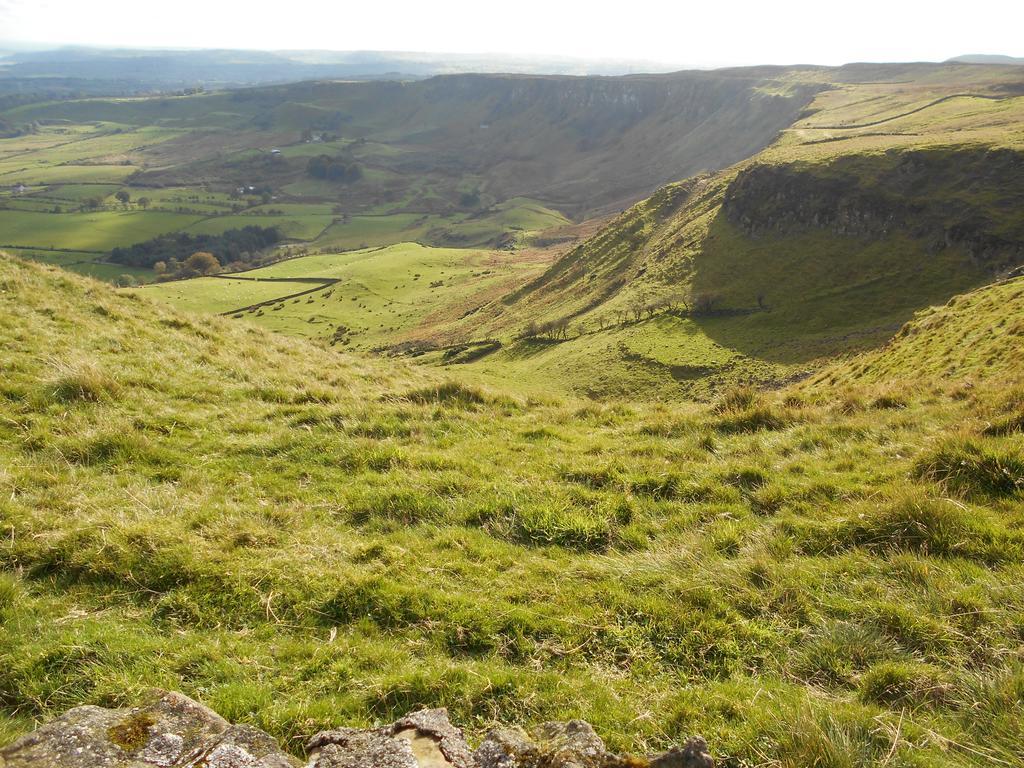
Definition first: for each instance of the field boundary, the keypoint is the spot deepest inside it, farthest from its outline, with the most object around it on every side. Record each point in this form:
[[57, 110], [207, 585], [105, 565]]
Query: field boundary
[[914, 111]]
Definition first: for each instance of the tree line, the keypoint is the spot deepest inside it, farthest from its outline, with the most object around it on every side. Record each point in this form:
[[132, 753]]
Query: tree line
[[233, 246], [334, 169]]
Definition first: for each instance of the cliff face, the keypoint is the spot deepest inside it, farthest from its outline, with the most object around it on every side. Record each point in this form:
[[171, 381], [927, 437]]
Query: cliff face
[[580, 144], [172, 731], [590, 144], [941, 198]]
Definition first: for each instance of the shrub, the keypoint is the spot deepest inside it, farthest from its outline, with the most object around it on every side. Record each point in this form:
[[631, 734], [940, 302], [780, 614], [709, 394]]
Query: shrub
[[965, 468], [901, 683], [914, 524], [80, 382]]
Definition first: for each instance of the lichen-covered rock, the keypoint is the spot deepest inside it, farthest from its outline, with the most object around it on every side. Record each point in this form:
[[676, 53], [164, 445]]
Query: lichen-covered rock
[[575, 745], [424, 739], [172, 731], [693, 754], [168, 731]]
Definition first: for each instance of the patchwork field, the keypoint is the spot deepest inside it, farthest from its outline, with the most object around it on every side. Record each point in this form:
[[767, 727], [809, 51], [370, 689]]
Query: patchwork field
[[368, 298]]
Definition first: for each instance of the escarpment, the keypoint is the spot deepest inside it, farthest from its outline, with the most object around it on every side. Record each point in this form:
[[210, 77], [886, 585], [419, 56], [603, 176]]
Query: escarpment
[[945, 198], [170, 730]]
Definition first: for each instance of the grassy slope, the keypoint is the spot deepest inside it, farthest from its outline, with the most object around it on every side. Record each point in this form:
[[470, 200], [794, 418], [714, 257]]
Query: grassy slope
[[302, 539], [380, 296], [973, 334], [796, 292]]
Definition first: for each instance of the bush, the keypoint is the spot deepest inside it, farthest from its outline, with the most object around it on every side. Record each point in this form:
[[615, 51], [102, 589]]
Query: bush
[[964, 468], [232, 245], [912, 524], [901, 683]]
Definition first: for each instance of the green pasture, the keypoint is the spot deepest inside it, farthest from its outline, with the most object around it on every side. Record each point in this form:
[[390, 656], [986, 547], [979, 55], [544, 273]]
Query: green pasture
[[97, 231]]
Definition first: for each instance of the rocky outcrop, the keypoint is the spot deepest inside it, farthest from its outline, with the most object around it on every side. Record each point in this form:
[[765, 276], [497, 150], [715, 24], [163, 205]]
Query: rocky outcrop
[[172, 731], [942, 197], [167, 731]]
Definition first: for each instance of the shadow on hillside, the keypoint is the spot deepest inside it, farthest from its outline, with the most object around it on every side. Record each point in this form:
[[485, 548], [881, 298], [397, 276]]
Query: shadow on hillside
[[814, 293]]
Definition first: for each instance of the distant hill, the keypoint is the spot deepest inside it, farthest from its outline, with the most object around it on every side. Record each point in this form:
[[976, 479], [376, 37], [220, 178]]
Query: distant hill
[[217, 68], [580, 144], [985, 58]]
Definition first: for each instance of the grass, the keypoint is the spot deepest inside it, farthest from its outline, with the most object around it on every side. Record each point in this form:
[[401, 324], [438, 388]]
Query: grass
[[379, 296], [823, 572], [99, 231], [303, 538]]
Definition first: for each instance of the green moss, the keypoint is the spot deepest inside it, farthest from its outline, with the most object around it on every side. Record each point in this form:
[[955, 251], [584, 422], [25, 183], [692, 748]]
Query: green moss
[[132, 733]]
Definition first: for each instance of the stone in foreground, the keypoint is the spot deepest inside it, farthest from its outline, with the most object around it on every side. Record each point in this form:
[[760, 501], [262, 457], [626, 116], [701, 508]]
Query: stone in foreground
[[168, 731], [172, 731]]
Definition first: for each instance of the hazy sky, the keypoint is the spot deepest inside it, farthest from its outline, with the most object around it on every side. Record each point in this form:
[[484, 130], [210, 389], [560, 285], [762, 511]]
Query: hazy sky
[[705, 33]]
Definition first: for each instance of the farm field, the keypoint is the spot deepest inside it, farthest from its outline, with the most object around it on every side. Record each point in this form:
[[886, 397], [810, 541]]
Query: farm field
[[377, 296], [67, 198], [93, 231]]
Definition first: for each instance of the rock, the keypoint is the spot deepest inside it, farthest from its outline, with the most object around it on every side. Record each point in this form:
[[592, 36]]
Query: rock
[[424, 739], [575, 745], [168, 731], [693, 754], [172, 731]]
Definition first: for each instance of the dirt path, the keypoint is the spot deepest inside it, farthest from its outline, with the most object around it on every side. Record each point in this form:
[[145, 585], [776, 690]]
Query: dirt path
[[914, 111]]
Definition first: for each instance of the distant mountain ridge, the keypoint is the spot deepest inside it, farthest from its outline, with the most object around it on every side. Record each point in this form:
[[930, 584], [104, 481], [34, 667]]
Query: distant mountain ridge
[[986, 58], [223, 67]]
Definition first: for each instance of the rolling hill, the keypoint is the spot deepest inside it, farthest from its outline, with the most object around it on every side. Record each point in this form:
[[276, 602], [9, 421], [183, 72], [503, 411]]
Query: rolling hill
[[579, 144], [304, 538], [824, 243], [742, 459]]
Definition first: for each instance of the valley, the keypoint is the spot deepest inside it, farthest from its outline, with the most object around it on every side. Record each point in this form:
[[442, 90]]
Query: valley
[[685, 403]]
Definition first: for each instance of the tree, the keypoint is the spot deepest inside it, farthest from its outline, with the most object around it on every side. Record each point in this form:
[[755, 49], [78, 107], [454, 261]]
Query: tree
[[202, 262], [704, 303], [123, 197], [333, 169], [143, 202]]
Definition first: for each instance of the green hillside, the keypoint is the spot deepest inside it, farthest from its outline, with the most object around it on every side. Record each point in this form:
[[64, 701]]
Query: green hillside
[[364, 300], [825, 243], [302, 538], [973, 335]]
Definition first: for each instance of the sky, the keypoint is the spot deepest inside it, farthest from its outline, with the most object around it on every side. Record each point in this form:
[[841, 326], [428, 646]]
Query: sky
[[705, 33]]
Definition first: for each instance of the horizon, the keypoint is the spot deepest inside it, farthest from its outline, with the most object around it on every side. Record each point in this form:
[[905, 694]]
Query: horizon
[[701, 38]]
